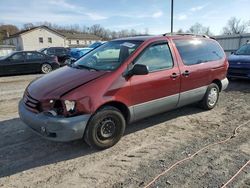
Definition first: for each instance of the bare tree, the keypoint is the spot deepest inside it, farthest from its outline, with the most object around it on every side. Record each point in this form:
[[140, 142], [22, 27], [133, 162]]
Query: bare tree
[[180, 31], [10, 29], [199, 29], [28, 25], [6, 30], [235, 26]]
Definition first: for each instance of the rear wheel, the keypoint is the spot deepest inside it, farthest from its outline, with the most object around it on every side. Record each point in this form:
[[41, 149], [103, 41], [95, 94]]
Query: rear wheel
[[46, 68], [211, 97], [105, 128]]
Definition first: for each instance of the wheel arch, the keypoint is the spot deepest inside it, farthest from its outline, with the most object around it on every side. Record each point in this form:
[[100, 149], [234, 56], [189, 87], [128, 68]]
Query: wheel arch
[[120, 106], [218, 83]]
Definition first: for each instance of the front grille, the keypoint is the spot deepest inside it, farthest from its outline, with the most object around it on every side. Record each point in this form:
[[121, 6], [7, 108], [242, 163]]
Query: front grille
[[31, 103]]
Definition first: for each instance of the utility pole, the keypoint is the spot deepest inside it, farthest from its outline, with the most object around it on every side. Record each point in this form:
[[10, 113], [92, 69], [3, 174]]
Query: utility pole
[[172, 16]]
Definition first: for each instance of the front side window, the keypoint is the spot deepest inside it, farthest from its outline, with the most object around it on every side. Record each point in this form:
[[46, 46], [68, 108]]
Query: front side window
[[17, 57], [33, 56], [50, 51], [196, 51], [243, 50], [156, 57], [109, 56]]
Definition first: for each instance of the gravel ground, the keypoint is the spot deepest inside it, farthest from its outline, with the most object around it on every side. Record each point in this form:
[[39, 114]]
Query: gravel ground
[[148, 147]]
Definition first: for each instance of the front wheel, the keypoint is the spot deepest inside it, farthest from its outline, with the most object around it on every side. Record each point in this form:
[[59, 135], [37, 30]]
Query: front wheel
[[105, 128], [46, 68], [211, 97]]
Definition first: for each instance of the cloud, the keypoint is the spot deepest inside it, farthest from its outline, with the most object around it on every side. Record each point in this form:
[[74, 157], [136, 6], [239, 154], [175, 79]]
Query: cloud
[[95, 16], [126, 26], [142, 15], [62, 3], [55, 11], [182, 17], [198, 8], [157, 14]]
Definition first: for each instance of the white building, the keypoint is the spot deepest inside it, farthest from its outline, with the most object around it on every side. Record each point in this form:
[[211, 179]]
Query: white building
[[80, 39], [42, 37]]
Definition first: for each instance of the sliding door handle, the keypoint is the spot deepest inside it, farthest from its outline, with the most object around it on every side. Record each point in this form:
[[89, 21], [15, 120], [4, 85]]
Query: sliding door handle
[[186, 73]]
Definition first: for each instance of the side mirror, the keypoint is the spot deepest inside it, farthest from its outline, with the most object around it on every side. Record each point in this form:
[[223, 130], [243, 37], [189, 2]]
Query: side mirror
[[232, 53], [138, 69]]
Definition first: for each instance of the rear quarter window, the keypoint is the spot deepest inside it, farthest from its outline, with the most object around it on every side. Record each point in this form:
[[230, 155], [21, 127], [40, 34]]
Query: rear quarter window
[[196, 51]]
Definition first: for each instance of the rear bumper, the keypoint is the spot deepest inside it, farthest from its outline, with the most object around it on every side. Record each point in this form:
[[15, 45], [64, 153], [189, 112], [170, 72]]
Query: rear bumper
[[224, 84], [54, 128]]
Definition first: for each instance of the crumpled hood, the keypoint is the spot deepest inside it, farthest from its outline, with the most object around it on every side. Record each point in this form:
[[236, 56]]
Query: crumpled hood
[[58, 82]]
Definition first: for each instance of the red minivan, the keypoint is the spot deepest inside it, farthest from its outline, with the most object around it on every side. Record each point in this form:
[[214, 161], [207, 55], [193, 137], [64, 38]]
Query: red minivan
[[123, 81]]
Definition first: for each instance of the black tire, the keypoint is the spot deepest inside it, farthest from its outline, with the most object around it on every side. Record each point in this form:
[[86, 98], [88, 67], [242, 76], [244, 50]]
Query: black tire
[[46, 68], [105, 128], [207, 103]]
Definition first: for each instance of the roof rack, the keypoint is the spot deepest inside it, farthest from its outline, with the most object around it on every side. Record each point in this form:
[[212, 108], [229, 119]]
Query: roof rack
[[190, 34]]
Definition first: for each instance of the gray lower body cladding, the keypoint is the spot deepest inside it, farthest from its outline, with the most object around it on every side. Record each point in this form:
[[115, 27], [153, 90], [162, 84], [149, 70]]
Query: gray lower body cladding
[[153, 107]]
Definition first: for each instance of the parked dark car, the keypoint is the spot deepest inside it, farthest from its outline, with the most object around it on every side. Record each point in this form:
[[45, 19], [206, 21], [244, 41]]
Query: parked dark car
[[121, 82], [27, 62], [239, 63], [62, 54], [76, 53]]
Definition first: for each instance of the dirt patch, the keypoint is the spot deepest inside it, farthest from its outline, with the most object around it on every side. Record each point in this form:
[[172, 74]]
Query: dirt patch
[[147, 148]]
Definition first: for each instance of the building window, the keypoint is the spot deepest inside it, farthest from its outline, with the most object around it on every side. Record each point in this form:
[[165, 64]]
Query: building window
[[40, 39], [77, 42], [49, 40]]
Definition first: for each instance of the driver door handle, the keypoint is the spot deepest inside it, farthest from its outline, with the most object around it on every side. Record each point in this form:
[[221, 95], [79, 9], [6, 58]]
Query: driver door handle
[[174, 75]]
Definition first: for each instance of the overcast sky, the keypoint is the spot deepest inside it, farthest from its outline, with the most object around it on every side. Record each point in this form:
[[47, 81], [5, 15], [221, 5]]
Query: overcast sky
[[126, 14]]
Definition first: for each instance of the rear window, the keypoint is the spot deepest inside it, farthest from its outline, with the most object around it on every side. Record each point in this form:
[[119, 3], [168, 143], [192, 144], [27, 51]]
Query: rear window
[[195, 51]]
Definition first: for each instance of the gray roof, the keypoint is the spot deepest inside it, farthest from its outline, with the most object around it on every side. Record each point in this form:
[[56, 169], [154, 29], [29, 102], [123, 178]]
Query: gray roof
[[33, 28], [68, 35], [245, 35], [71, 35]]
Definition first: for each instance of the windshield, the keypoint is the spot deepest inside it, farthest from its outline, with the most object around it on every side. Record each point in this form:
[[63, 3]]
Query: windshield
[[43, 50], [109, 56], [95, 45], [243, 50]]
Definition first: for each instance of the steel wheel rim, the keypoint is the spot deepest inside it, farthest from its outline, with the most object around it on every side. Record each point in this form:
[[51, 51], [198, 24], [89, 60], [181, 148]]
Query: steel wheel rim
[[106, 129], [212, 96], [46, 68]]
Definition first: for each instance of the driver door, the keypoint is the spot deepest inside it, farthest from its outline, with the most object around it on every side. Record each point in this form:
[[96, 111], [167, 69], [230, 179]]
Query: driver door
[[159, 90], [15, 63]]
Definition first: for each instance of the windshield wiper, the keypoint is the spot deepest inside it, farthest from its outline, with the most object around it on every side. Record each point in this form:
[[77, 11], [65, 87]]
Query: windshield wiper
[[86, 67]]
